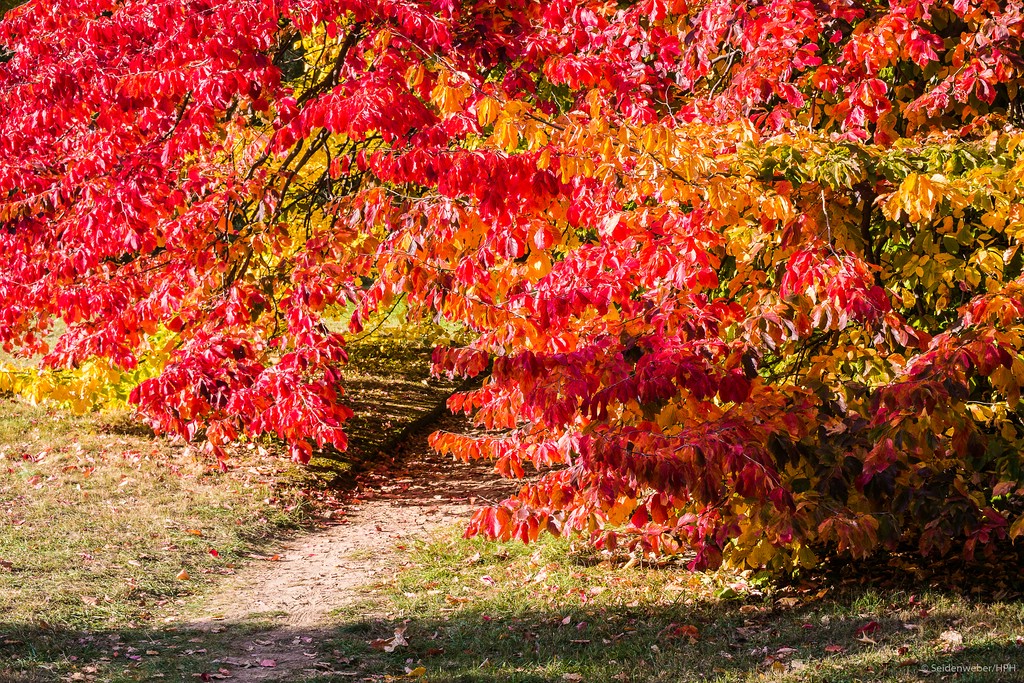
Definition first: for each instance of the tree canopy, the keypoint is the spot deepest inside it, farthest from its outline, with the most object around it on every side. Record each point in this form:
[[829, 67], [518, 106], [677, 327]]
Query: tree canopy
[[744, 278]]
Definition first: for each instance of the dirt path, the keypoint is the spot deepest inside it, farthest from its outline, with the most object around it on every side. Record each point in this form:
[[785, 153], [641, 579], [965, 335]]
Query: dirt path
[[331, 569]]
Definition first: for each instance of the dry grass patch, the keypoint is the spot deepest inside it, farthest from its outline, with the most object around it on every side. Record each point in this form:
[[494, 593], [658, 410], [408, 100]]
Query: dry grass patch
[[101, 520]]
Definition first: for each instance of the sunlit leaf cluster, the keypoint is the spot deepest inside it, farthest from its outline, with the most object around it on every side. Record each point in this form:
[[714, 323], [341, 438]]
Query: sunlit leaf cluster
[[743, 280]]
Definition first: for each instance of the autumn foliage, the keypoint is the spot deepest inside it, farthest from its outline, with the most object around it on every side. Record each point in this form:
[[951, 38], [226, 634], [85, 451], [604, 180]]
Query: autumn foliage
[[745, 279]]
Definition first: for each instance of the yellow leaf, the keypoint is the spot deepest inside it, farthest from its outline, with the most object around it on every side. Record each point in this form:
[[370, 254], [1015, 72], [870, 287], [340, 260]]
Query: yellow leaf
[[668, 416], [806, 557], [539, 265], [414, 76], [761, 555], [544, 160], [1017, 528], [620, 511], [487, 111]]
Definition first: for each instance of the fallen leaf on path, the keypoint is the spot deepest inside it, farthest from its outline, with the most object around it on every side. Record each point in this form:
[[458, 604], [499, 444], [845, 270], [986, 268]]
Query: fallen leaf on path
[[231, 661], [268, 663]]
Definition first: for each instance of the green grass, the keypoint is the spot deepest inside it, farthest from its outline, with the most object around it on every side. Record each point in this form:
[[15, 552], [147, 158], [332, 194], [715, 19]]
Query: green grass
[[99, 522], [476, 611], [99, 518], [472, 611]]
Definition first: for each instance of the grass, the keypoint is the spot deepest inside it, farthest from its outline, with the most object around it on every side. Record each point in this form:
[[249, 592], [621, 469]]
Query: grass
[[476, 611], [99, 519], [92, 589], [98, 522]]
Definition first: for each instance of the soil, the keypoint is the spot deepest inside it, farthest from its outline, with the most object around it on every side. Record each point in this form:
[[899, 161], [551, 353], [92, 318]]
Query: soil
[[316, 574]]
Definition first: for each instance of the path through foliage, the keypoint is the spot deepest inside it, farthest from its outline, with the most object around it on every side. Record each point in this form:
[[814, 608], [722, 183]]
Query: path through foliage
[[308, 580], [745, 279]]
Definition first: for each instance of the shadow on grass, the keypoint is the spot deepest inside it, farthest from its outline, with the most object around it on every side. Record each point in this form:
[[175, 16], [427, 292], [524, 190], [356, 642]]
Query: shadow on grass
[[707, 640]]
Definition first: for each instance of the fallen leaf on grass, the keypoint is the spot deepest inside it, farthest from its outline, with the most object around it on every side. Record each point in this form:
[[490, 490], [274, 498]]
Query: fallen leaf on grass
[[391, 644], [6, 566], [268, 663], [684, 631], [415, 673], [194, 532], [835, 648], [951, 640], [869, 628], [183, 575]]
